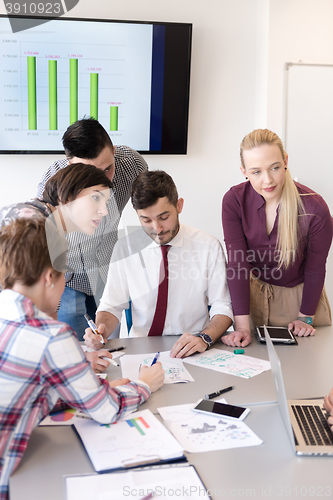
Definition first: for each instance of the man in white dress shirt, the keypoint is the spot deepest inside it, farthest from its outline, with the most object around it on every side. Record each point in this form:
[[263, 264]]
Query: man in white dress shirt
[[197, 299]]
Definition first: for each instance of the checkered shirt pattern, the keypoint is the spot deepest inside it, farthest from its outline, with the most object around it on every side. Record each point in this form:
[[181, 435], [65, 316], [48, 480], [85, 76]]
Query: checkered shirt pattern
[[90, 256], [40, 362]]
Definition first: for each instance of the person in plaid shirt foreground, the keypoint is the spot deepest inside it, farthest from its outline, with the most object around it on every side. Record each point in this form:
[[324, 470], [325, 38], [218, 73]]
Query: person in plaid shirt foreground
[[41, 359]]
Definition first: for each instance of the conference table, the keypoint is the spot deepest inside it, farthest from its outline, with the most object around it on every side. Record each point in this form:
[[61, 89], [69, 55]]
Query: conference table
[[271, 469]]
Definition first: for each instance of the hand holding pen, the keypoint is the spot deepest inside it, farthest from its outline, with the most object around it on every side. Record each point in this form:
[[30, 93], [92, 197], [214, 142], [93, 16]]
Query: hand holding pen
[[157, 355], [155, 359], [152, 376], [93, 328], [95, 331]]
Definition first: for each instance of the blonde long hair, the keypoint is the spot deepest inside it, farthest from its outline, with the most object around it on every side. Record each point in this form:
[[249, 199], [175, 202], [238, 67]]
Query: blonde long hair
[[291, 205]]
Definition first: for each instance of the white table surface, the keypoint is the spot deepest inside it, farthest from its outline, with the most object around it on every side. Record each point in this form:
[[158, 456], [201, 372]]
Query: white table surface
[[269, 470]]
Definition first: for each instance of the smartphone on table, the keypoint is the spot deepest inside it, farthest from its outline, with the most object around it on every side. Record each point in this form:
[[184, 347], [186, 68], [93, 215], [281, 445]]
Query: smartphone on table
[[221, 409]]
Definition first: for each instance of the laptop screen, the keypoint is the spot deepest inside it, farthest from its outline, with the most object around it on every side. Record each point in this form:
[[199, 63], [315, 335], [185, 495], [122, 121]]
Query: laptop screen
[[279, 386]]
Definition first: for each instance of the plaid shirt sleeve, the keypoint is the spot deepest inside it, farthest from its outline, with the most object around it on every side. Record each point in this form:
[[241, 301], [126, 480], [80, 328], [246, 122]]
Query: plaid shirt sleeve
[[41, 361], [65, 369]]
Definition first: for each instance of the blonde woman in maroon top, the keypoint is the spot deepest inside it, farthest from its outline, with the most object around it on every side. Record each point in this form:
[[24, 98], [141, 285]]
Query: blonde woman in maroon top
[[278, 234]]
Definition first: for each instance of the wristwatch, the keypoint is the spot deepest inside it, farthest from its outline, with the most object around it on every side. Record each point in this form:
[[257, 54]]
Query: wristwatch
[[206, 338], [306, 319]]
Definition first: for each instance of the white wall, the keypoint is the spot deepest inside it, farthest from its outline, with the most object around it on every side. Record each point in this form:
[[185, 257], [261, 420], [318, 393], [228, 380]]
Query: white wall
[[300, 30], [222, 102], [238, 53]]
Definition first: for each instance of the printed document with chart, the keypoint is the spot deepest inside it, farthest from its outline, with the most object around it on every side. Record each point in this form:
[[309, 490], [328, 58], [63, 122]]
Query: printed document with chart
[[199, 432], [138, 440]]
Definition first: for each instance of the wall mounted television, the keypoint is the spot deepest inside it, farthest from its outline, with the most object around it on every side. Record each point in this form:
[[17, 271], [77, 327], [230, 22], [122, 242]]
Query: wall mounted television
[[132, 76]]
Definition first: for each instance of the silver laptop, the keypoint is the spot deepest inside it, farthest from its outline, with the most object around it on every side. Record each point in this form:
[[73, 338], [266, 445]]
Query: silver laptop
[[304, 419]]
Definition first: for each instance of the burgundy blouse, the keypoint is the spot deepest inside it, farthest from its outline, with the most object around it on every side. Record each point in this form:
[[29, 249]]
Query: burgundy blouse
[[250, 248]]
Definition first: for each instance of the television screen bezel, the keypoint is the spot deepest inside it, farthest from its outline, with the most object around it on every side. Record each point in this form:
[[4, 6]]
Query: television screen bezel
[[176, 93]]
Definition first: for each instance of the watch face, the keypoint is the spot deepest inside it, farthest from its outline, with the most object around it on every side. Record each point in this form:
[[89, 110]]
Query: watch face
[[207, 338], [308, 320]]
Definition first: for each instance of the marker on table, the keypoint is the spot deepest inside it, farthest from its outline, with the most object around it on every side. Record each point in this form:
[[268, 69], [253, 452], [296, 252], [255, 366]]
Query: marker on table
[[157, 355], [94, 328], [116, 349], [111, 361], [218, 393]]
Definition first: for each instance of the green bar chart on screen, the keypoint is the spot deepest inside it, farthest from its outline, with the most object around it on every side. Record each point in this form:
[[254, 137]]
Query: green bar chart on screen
[[73, 90], [113, 118], [32, 94], [53, 96], [94, 95]]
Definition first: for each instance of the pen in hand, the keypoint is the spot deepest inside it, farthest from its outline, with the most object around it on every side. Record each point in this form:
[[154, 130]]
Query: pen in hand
[[93, 327], [218, 393], [112, 361], [157, 355]]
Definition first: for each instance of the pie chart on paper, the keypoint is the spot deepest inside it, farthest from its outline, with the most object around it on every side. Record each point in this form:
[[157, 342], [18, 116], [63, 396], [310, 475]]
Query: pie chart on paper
[[63, 416]]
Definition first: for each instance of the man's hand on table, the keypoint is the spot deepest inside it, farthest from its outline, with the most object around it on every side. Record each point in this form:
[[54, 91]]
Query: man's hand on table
[[186, 345], [238, 338]]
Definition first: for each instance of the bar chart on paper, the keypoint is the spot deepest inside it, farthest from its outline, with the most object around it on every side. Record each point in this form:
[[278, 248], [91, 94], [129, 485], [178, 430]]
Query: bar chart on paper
[[139, 424], [141, 439], [47, 86]]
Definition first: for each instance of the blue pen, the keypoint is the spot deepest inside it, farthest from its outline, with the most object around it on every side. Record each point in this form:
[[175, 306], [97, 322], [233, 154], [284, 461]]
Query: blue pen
[[157, 355]]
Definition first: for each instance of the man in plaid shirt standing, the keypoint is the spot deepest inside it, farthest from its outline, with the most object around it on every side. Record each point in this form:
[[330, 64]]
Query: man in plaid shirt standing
[[86, 141]]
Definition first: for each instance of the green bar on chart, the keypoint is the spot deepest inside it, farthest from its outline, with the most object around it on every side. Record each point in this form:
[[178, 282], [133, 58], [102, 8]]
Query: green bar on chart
[[73, 90], [32, 93], [53, 97], [113, 118], [94, 95]]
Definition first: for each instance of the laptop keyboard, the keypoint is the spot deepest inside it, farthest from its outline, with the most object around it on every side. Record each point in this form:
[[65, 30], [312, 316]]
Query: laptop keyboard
[[313, 425]]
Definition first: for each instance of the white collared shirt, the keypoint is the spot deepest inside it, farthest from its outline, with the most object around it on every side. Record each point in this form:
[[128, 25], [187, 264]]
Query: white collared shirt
[[197, 279]]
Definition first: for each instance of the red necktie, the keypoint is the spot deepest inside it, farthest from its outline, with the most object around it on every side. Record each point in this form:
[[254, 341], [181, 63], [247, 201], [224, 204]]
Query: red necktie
[[157, 325]]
